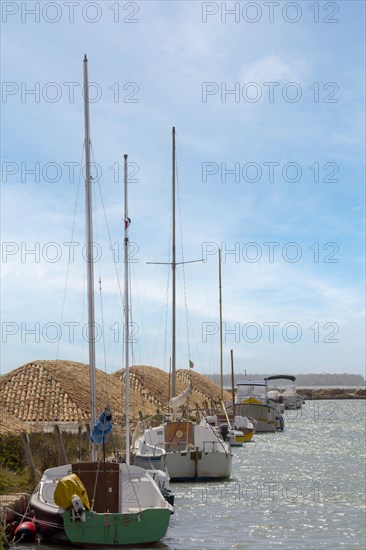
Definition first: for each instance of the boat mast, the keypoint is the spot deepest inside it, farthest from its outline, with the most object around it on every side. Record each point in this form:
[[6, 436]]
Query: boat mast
[[232, 381], [174, 265], [89, 256], [220, 302], [126, 317]]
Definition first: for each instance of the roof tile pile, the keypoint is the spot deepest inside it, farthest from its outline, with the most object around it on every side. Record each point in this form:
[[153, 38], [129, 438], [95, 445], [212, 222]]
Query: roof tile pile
[[58, 391]]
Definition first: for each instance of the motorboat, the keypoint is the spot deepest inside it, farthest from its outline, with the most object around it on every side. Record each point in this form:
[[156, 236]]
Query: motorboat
[[223, 426], [282, 391], [252, 401]]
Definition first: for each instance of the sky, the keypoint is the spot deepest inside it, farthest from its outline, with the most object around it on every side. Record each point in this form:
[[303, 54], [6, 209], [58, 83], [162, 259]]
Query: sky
[[268, 103]]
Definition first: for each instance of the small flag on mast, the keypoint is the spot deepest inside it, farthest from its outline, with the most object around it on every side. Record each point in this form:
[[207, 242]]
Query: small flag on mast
[[191, 364]]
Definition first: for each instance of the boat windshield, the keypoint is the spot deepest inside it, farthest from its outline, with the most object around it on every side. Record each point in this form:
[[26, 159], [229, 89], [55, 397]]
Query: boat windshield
[[282, 385], [256, 390]]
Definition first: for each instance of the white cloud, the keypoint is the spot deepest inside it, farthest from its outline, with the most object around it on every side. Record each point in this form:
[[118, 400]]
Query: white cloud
[[170, 53], [273, 68]]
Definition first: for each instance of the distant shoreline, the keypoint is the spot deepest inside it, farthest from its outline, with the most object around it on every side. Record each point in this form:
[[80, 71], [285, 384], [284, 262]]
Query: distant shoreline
[[326, 387], [311, 380], [318, 392]]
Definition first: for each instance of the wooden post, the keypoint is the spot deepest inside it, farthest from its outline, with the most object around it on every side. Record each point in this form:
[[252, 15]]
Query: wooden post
[[28, 454], [61, 447]]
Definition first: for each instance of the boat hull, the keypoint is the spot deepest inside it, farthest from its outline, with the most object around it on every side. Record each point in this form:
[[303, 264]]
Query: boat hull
[[149, 462], [49, 524], [198, 465], [131, 498], [137, 528], [248, 436], [237, 440], [265, 415], [191, 452]]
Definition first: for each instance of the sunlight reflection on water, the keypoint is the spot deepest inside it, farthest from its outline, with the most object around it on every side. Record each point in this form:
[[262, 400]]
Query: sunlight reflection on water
[[302, 488]]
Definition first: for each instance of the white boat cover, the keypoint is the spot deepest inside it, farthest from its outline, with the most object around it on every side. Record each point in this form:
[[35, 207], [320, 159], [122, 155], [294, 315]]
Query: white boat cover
[[180, 399]]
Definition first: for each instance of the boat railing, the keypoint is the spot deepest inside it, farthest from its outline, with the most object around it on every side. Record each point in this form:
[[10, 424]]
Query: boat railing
[[177, 446], [213, 446], [160, 446], [146, 424], [184, 447]]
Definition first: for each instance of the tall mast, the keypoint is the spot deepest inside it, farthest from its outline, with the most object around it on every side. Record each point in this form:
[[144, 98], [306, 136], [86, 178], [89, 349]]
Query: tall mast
[[174, 265], [89, 256], [232, 381], [126, 317], [220, 303]]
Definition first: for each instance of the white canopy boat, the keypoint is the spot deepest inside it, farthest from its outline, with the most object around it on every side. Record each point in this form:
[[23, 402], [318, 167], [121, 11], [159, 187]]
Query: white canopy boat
[[282, 391]]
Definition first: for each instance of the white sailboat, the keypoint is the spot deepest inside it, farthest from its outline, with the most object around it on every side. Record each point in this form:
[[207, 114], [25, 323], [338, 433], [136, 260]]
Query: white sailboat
[[127, 507], [190, 451], [235, 429]]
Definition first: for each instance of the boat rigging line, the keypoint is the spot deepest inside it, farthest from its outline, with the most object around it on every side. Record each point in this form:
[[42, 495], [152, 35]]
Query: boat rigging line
[[71, 241], [174, 263]]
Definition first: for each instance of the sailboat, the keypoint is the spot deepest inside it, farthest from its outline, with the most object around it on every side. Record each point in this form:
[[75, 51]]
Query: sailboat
[[127, 507], [242, 423], [237, 429], [190, 451]]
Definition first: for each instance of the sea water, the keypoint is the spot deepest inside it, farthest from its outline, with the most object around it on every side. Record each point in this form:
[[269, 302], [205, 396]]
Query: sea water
[[300, 488]]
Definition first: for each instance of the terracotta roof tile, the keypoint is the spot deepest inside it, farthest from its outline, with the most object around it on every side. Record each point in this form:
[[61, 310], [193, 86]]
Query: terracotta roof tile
[[48, 391]]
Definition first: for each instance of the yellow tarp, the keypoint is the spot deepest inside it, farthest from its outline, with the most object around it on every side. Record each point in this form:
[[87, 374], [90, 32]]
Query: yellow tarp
[[66, 488]]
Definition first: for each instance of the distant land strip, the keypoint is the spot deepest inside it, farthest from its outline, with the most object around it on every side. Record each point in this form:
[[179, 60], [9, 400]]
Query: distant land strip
[[332, 393], [335, 380]]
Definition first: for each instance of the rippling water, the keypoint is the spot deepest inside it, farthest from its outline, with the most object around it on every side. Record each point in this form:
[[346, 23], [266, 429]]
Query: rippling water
[[302, 488]]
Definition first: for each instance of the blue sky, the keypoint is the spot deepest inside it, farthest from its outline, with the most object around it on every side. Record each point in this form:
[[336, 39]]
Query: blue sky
[[268, 103]]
